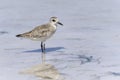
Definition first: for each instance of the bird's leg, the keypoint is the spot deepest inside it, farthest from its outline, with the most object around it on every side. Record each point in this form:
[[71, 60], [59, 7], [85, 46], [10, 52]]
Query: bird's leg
[[43, 52], [44, 47]]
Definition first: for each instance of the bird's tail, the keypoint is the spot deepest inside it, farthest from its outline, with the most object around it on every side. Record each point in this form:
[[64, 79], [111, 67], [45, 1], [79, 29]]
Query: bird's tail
[[27, 34], [19, 35]]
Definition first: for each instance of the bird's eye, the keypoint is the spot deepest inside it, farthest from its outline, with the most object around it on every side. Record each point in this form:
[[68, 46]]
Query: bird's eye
[[53, 20]]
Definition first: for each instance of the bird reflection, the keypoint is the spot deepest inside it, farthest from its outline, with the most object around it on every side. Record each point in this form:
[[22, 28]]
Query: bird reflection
[[44, 72]]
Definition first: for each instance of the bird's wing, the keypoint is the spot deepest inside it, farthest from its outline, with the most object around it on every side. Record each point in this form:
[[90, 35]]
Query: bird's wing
[[40, 31]]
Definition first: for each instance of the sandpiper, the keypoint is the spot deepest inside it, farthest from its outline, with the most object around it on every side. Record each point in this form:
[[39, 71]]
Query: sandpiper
[[42, 33]]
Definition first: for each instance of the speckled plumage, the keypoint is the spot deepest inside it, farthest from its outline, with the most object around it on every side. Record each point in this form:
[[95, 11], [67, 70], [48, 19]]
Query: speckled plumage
[[42, 32]]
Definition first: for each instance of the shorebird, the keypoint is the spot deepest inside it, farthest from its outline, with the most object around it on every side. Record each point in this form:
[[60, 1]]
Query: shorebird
[[42, 33]]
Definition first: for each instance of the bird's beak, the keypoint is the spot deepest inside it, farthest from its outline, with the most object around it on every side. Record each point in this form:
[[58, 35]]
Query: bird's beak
[[60, 23]]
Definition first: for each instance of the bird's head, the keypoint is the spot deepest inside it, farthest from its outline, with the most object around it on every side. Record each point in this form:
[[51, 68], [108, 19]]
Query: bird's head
[[55, 20]]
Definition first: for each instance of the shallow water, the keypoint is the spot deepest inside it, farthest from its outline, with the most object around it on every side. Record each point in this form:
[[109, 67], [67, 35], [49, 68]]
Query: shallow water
[[86, 47]]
